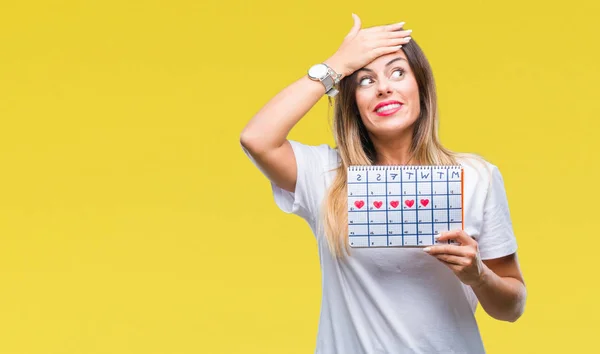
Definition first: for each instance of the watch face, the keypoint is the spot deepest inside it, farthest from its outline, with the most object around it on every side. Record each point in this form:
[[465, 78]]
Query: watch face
[[317, 71]]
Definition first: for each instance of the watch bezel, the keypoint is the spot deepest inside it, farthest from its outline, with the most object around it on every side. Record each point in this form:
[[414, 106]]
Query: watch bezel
[[316, 69]]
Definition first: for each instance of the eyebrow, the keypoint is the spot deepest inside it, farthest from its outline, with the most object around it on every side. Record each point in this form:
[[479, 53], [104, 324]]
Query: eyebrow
[[388, 64]]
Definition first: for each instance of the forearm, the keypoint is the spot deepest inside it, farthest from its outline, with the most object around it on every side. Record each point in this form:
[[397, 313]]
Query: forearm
[[269, 128], [501, 297]]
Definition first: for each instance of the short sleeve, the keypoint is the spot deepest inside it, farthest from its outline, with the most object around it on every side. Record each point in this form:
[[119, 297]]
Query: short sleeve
[[312, 165], [497, 238]]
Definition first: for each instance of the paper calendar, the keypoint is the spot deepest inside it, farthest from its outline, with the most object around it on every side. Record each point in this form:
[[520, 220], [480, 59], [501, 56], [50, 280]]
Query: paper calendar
[[403, 206]]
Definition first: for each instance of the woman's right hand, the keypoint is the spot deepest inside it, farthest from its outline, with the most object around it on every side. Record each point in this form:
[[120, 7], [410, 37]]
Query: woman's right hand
[[362, 46]]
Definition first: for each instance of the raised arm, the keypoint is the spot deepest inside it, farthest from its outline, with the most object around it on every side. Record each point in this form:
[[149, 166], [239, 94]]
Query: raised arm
[[265, 136]]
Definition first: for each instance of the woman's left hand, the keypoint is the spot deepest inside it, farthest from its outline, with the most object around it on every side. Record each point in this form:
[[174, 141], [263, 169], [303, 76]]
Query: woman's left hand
[[463, 259]]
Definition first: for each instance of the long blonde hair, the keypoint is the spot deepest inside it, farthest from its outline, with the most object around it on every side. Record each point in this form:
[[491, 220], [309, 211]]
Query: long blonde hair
[[356, 148]]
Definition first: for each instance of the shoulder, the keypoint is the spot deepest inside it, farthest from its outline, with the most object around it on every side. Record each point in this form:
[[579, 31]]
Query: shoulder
[[480, 174]]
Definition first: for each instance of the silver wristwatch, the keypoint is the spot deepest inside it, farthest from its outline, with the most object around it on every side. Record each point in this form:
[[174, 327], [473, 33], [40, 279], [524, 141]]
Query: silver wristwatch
[[326, 75]]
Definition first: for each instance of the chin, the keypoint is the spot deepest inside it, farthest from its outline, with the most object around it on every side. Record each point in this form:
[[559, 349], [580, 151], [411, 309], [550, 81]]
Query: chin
[[392, 123], [391, 128]]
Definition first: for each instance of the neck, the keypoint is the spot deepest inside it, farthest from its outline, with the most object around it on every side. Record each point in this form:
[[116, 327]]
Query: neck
[[393, 150]]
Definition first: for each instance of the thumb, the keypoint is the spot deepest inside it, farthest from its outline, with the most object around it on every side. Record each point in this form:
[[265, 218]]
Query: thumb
[[355, 27]]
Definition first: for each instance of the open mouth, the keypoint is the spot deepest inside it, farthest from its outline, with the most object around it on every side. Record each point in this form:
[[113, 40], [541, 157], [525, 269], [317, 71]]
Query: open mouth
[[388, 108]]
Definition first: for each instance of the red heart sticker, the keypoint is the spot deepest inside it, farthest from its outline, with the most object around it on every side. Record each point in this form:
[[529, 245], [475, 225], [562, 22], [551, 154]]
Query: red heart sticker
[[359, 204], [378, 204], [394, 203], [409, 203], [424, 202]]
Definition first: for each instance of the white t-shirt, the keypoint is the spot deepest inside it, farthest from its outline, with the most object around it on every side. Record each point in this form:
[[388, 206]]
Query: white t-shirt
[[397, 300]]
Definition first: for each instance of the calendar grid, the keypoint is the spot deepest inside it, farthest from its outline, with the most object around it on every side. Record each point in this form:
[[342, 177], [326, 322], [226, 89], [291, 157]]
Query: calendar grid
[[416, 208]]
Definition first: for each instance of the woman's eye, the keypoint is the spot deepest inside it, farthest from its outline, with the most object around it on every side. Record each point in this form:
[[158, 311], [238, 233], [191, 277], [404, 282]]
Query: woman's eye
[[400, 71], [365, 81]]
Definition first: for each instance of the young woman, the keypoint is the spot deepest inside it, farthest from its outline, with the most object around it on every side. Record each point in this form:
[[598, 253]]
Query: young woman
[[388, 300]]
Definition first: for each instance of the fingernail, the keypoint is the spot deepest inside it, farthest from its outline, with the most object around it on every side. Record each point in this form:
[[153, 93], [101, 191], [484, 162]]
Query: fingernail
[[401, 23], [409, 31], [407, 38], [427, 249]]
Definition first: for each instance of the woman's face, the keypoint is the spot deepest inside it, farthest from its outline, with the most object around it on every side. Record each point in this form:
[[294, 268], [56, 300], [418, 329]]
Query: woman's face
[[387, 95]]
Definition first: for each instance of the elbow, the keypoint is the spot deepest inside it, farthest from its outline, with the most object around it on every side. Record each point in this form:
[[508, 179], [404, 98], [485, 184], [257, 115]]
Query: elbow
[[516, 310], [511, 315], [257, 142], [251, 140], [244, 140], [520, 308], [245, 137], [248, 140], [520, 304], [516, 315]]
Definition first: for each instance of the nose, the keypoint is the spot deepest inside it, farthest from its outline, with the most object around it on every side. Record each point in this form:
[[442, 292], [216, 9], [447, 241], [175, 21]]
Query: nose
[[383, 88]]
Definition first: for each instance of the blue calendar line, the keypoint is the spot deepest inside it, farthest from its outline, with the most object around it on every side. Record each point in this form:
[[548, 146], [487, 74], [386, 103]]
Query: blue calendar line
[[398, 235], [401, 195], [448, 186], [399, 182], [368, 227], [432, 240], [381, 235], [407, 222], [402, 213], [386, 212]]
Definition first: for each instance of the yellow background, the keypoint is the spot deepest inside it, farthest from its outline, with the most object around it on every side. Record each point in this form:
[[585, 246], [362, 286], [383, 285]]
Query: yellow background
[[131, 221]]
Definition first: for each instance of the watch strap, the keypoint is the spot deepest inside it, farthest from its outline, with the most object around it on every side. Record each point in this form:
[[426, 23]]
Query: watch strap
[[329, 80], [336, 77]]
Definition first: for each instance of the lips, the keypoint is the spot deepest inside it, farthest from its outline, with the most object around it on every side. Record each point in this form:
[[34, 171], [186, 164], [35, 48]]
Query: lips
[[385, 103]]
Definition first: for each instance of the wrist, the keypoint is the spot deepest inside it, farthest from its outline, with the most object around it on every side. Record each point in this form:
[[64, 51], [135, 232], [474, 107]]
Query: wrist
[[337, 67], [483, 279]]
